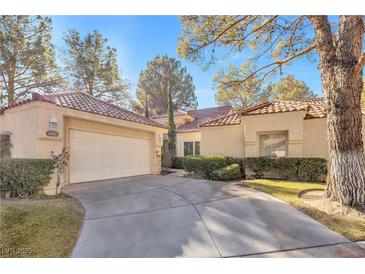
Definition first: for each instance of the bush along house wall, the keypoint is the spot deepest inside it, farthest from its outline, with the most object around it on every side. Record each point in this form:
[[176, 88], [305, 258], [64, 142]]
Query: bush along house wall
[[219, 167], [24, 177], [300, 169], [178, 163], [205, 166]]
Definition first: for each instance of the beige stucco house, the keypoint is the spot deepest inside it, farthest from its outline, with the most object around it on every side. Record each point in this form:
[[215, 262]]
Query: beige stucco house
[[188, 135], [277, 128], [104, 140]]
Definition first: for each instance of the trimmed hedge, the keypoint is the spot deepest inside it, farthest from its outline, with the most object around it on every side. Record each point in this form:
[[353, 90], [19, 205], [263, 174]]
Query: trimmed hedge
[[231, 172], [178, 162], [204, 165], [24, 177], [303, 169]]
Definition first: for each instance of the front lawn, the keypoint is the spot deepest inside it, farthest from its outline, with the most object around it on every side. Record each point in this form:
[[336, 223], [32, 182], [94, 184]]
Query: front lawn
[[43, 227], [351, 227]]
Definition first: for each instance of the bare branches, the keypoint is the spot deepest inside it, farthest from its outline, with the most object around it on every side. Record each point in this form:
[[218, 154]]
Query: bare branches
[[276, 64], [221, 33], [296, 25]]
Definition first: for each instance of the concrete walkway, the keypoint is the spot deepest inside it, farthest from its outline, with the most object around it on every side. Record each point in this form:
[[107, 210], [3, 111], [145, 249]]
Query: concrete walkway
[[174, 216]]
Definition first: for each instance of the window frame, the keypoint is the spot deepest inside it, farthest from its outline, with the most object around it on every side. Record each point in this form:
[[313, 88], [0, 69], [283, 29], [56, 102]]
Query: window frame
[[195, 148], [192, 148], [281, 132]]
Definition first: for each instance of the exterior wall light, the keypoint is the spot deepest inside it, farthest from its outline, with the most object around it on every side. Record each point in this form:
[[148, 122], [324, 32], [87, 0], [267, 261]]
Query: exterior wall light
[[52, 127], [52, 123]]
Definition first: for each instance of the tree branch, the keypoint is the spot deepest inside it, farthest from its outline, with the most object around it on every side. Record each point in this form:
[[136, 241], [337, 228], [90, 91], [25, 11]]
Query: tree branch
[[276, 64], [26, 68], [291, 39], [324, 39]]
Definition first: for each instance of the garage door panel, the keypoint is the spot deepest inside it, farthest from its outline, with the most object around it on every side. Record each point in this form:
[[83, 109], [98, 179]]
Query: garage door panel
[[98, 156]]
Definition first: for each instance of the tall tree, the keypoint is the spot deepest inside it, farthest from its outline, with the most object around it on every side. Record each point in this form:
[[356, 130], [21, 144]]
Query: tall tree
[[171, 134], [27, 57], [363, 96], [93, 67], [288, 88], [238, 96], [162, 75], [284, 39]]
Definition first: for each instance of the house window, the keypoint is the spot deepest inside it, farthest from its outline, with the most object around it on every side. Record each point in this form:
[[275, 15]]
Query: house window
[[197, 148], [188, 148], [274, 145]]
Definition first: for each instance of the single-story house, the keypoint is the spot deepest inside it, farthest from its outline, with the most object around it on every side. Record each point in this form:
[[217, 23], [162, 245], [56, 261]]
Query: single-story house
[[104, 141], [188, 135], [276, 128]]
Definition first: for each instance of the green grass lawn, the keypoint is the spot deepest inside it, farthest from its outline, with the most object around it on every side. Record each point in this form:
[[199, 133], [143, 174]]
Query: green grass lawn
[[352, 227], [44, 227]]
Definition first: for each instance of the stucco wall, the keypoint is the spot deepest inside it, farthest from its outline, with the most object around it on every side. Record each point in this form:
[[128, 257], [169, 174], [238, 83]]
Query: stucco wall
[[292, 122], [186, 137], [22, 122], [225, 140], [29, 123], [315, 138], [315, 142]]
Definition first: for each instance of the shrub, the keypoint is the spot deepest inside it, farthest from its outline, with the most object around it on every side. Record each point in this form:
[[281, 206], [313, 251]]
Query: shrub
[[192, 164], [204, 165], [24, 177], [311, 169], [259, 165], [231, 172], [239, 162], [178, 162], [304, 169], [286, 167]]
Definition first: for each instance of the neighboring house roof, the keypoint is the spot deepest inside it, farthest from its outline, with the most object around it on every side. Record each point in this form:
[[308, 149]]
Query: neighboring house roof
[[203, 116], [228, 120], [178, 112], [84, 102]]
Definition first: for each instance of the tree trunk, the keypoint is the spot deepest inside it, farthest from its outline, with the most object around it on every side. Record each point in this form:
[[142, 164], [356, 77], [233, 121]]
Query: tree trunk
[[11, 85], [171, 133], [10, 91], [342, 86], [146, 111]]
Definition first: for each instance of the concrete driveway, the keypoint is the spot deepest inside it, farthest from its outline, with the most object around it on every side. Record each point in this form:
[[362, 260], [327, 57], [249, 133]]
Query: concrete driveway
[[174, 216]]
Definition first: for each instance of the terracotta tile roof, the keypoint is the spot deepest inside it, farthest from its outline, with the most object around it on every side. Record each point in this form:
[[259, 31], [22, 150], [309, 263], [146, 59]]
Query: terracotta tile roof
[[203, 116], [227, 120], [178, 112], [84, 102], [315, 108]]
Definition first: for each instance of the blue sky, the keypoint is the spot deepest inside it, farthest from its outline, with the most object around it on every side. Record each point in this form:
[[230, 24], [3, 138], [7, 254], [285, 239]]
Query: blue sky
[[139, 39]]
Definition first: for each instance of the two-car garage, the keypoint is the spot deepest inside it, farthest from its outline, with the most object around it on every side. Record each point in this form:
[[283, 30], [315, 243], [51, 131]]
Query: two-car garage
[[104, 141], [98, 156]]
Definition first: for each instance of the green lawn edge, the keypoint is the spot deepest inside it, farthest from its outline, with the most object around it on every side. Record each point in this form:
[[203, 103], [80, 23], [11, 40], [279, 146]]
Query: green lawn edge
[[353, 228], [40, 227]]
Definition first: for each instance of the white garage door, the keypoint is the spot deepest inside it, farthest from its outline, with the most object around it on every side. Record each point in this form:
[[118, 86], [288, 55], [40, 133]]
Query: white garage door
[[98, 156]]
